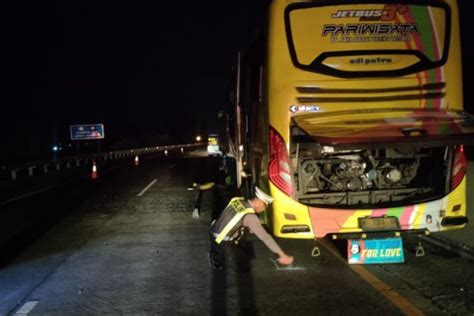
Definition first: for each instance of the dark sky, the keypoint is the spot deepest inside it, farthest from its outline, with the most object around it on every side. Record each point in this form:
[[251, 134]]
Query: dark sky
[[140, 67]]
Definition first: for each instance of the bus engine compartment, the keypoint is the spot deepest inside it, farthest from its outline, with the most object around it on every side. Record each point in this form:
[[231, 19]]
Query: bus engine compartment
[[369, 177]]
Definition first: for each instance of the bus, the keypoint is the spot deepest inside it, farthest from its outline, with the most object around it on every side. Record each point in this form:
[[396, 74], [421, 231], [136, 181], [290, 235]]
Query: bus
[[351, 115], [213, 148]]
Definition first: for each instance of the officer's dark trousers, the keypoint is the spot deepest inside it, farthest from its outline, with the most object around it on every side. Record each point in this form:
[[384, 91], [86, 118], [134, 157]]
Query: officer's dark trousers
[[238, 255]]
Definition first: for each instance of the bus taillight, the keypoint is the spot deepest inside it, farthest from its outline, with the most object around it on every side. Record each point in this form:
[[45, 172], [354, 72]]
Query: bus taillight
[[458, 169], [279, 169]]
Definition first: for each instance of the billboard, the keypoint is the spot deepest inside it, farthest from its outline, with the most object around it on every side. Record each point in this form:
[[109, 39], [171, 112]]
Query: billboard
[[87, 131]]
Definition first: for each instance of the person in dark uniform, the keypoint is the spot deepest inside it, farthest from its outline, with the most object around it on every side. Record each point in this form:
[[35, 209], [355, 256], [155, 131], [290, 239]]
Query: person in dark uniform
[[238, 218]]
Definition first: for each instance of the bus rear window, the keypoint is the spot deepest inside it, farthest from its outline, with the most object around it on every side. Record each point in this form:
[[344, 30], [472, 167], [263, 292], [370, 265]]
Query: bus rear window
[[368, 37]]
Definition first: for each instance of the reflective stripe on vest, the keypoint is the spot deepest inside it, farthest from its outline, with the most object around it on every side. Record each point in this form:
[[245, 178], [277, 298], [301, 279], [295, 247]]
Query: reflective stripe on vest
[[241, 211]]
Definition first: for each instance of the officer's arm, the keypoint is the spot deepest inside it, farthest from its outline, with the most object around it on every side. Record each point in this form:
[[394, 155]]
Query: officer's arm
[[252, 222]]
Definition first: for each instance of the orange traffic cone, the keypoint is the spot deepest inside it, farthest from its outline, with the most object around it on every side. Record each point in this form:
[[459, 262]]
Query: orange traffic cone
[[94, 170], [137, 161]]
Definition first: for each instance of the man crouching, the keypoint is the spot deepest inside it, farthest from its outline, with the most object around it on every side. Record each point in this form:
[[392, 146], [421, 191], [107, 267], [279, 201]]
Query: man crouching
[[239, 217]]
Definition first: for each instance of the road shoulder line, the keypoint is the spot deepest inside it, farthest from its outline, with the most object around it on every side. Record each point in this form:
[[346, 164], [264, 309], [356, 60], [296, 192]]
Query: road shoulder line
[[402, 303], [147, 187]]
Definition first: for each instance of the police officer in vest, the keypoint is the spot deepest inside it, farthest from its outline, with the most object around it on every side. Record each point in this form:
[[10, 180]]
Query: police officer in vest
[[239, 217]]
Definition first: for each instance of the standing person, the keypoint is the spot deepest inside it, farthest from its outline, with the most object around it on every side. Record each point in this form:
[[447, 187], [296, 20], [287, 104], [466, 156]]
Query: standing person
[[238, 218]]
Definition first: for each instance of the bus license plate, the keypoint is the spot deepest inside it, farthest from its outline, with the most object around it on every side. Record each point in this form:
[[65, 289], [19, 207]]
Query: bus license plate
[[368, 251], [379, 223]]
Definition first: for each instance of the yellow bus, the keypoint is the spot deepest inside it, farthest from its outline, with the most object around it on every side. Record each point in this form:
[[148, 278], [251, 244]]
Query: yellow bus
[[355, 119]]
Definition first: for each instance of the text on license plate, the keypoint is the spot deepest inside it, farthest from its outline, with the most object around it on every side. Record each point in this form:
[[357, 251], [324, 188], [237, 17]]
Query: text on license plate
[[379, 223]]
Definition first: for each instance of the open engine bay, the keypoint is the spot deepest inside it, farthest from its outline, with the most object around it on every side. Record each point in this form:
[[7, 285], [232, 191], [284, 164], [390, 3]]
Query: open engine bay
[[370, 177]]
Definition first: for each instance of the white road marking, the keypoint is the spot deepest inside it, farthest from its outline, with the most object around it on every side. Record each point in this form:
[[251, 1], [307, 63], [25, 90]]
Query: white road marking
[[26, 195], [147, 187], [26, 308]]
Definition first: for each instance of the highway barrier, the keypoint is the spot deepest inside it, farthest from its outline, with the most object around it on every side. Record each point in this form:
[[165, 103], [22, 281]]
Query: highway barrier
[[15, 171]]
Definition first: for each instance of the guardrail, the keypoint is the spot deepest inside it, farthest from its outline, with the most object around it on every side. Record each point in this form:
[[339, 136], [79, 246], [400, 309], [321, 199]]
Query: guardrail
[[43, 167]]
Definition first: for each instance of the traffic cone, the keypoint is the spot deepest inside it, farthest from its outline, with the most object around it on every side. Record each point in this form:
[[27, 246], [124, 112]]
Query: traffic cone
[[137, 161], [94, 170]]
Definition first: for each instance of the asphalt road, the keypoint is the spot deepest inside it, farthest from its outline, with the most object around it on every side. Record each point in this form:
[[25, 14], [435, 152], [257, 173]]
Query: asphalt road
[[128, 245]]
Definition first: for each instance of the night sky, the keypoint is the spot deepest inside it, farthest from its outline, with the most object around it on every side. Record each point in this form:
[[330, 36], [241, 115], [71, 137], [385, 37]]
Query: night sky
[[143, 68], [146, 69]]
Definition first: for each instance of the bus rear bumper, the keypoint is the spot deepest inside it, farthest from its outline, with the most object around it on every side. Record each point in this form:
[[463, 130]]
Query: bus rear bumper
[[295, 220]]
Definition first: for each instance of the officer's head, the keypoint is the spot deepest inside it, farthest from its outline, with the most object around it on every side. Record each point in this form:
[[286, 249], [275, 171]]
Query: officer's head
[[261, 200]]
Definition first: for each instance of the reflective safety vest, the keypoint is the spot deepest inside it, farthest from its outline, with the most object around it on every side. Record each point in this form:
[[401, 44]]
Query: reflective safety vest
[[230, 221]]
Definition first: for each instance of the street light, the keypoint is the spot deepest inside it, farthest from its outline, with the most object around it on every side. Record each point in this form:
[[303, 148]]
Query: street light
[[198, 138]]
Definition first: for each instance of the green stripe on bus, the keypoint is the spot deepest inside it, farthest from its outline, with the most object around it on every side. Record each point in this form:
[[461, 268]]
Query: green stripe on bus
[[397, 211]]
